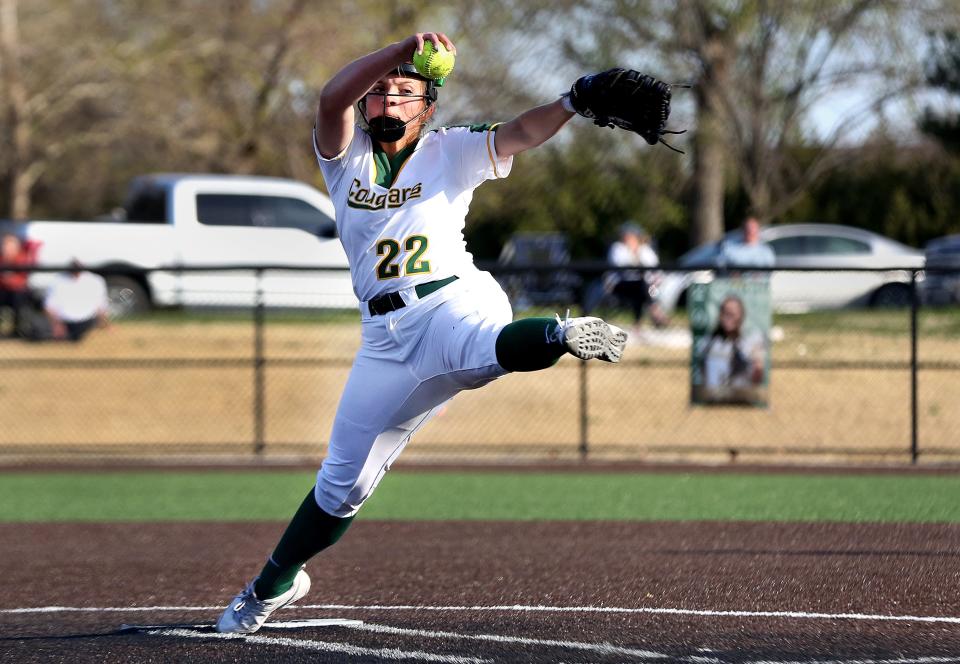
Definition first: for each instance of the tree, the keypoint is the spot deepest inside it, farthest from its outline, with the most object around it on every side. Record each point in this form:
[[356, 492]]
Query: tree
[[574, 187], [905, 192], [943, 72], [584, 182], [758, 67], [222, 86], [53, 100], [795, 55]]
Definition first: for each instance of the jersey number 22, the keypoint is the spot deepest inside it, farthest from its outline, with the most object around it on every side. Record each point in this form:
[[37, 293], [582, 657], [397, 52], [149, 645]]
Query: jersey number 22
[[389, 265]]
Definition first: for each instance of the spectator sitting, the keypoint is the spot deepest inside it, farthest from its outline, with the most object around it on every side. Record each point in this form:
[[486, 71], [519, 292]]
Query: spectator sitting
[[14, 294], [636, 287], [749, 252], [75, 302]]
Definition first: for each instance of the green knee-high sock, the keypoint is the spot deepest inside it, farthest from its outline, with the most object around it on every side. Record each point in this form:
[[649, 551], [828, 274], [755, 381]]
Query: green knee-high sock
[[526, 345], [310, 531]]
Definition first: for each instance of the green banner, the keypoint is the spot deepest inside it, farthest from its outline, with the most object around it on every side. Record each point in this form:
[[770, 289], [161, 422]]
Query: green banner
[[730, 318]]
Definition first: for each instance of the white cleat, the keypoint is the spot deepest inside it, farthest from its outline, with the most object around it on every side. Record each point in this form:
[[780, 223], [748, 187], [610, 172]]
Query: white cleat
[[591, 338], [246, 614]]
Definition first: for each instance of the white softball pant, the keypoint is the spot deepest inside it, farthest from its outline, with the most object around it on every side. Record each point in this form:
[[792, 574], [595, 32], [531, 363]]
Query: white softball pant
[[410, 363]]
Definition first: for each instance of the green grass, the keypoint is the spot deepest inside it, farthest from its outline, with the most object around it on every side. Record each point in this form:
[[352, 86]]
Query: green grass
[[409, 495]]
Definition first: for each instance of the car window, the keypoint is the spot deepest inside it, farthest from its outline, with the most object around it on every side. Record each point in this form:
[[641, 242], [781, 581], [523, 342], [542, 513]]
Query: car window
[[789, 246], [225, 209], [263, 211], [286, 212], [147, 204], [833, 245]]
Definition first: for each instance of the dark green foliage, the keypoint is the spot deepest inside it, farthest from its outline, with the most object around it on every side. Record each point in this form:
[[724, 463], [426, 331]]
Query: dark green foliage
[[943, 71], [585, 186], [910, 195]]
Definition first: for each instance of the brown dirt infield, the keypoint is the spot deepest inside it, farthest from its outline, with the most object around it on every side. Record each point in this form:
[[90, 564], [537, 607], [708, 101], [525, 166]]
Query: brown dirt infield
[[863, 569]]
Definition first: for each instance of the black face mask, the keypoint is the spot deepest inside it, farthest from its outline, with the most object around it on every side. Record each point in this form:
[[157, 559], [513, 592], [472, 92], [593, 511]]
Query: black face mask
[[387, 129]]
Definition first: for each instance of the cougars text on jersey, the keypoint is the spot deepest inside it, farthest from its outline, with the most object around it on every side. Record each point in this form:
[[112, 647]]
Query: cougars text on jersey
[[366, 199]]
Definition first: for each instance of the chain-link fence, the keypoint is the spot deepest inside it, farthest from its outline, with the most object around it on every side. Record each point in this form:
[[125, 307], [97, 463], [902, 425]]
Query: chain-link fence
[[859, 383]]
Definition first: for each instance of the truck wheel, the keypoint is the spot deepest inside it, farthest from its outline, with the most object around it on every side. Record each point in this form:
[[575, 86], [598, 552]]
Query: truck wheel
[[127, 296]]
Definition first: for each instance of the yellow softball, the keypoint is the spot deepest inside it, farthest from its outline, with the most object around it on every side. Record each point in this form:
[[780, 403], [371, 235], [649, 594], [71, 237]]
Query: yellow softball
[[433, 63]]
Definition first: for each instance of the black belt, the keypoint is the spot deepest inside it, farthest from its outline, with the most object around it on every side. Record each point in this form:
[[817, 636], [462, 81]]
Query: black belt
[[388, 302]]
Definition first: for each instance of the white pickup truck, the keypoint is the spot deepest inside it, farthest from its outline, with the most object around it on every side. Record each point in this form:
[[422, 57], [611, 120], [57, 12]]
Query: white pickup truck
[[196, 221]]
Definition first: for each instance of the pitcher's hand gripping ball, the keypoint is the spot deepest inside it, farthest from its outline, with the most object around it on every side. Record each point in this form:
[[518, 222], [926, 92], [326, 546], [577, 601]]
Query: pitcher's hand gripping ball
[[435, 62], [627, 99]]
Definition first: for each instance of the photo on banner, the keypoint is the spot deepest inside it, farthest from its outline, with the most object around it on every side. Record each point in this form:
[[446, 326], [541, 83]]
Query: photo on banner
[[730, 318]]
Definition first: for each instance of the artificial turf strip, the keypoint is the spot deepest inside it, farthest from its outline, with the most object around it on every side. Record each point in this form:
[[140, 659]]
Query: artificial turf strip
[[411, 495]]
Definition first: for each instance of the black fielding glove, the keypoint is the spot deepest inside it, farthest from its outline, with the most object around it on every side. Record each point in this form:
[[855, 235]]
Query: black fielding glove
[[624, 98]]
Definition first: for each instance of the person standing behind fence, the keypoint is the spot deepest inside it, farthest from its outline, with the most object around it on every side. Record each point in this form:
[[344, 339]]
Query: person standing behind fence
[[76, 301], [748, 252], [635, 287], [14, 294]]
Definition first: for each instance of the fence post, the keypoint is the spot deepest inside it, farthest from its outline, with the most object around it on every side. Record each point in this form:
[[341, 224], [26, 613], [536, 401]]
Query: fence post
[[584, 414], [914, 442], [258, 367]]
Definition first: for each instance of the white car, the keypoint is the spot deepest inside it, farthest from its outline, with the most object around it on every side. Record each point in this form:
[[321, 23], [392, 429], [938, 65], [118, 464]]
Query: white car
[[824, 246]]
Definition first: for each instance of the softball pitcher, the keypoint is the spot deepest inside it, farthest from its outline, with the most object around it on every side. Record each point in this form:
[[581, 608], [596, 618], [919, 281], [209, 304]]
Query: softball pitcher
[[432, 323]]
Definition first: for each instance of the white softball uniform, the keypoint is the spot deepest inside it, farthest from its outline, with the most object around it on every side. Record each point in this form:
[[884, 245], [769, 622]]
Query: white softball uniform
[[74, 299], [417, 357]]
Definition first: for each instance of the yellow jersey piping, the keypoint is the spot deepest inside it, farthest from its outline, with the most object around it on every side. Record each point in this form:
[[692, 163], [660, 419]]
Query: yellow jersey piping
[[490, 149]]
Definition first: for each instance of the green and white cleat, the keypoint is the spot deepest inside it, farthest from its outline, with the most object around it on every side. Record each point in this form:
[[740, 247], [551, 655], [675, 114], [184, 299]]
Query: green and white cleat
[[246, 614], [591, 338]]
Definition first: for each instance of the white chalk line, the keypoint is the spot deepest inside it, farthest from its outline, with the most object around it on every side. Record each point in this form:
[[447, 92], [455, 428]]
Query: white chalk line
[[517, 608], [108, 609], [324, 646], [610, 649], [396, 654], [289, 624], [314, 622], [641, 610], [601, 648]]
